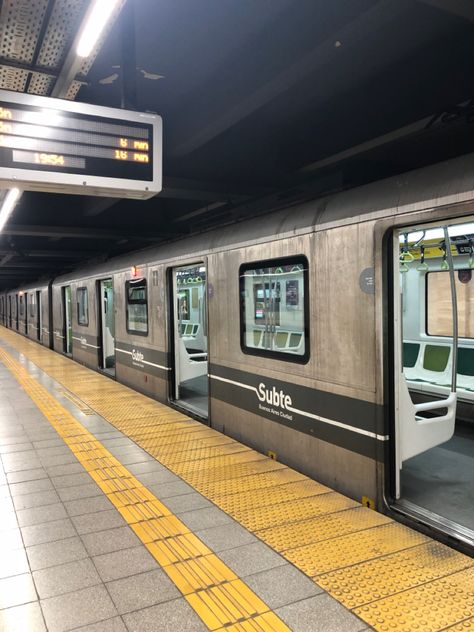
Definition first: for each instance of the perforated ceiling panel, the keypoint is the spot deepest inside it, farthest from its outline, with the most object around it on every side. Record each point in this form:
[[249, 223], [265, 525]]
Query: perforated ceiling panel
[[20, 26], [63, 24], [37, 34]]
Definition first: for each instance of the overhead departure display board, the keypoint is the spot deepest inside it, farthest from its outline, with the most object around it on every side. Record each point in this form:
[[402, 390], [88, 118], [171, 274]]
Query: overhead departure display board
[[62, 146]]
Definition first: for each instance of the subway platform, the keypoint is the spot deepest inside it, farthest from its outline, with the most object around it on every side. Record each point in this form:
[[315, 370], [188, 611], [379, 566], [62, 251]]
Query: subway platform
[[119, 513]]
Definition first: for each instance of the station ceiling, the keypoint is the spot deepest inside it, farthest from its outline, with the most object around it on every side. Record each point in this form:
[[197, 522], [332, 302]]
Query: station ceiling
[[264, 103]]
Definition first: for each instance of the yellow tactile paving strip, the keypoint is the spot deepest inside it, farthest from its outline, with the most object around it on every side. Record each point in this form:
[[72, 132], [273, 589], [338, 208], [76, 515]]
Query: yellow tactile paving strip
[[212, 589], [389, 575]]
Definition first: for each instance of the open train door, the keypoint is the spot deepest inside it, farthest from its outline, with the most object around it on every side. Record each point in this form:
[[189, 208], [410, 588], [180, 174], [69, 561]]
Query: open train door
[[434, 451], [190, 366], [107, 326], [417, 432]]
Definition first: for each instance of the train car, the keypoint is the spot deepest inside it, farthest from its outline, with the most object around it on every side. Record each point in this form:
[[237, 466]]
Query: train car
[[3, 308], [13, 310], [336, 334], [36, 325]]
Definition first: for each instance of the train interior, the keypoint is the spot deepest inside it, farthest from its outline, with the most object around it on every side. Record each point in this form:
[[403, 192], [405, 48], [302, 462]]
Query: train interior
[[434, 351], [273, 299], [190, 338]]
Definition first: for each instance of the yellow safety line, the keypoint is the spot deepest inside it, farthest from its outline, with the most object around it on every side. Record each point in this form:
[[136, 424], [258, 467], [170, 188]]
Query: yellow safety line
[[362, 558], [215, 592]]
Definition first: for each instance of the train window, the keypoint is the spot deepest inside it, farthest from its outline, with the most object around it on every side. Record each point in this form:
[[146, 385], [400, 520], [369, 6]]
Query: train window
[[274, 309], [137, 307], [438, 303], [22, 304], [32, 305], [82, 306]]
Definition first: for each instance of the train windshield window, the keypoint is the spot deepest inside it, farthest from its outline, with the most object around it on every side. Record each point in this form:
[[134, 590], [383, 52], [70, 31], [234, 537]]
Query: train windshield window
[[274, 309], [137, 307], [439, 320], [82, 306]]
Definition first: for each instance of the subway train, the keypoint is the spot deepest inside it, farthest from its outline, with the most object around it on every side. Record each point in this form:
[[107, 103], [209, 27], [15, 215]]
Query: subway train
[[335, 334]]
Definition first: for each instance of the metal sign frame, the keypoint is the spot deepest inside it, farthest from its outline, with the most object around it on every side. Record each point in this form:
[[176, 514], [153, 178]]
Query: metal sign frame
[[83, 184]]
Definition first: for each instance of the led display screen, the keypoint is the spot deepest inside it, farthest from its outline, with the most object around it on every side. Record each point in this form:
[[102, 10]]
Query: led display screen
[[116, 152]]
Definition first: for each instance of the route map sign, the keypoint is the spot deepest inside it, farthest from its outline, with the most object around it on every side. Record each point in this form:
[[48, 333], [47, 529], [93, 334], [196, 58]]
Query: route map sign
[[64, 146]]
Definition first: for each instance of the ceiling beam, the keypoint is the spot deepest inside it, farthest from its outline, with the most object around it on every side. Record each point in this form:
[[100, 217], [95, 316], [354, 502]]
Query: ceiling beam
[[71, 232], [51, 254], [226, 113], [461, 8]]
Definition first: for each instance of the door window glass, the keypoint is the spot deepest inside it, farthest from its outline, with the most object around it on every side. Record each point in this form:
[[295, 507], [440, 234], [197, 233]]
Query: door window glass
[[137, 307], [82, 306], [274, 308]]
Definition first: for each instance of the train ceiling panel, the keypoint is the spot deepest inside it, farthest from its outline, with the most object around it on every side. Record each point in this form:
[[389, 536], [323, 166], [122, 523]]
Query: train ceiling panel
[[263, 104]]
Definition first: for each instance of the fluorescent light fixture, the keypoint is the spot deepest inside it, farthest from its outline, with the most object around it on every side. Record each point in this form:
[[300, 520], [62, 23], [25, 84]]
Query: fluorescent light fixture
[[9, 202], [96, 21]]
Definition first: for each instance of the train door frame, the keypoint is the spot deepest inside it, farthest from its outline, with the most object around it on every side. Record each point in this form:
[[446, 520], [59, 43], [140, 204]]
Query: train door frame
[[101, 315], [9, 312], [67, 319], [444, 529], [17, 313], [39, 315], [173, 342]]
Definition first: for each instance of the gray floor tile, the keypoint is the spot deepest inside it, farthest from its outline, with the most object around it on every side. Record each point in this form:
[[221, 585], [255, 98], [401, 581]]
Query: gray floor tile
[[48, 532], [65, 469], [88, 505], [59, 450], [13, 562], [168, 490], [54, 553], [81, 608], [141, 591], [282, 585], [24, 456], [48, 443], [98, 521], [49, 461], [319, 614], [26, 618], [16, 590], [26, 475], [251, 558], [117, 442], [40, 515], [172, 616], [73, 576], [127, 460], [15, 447], [70, 480], [111, 540], [31, 487], [111, 625], [157, 477], [80, 491], [124, 563], [26, 501], [187, 502], [205, 518], [147, 467], [20, 466]]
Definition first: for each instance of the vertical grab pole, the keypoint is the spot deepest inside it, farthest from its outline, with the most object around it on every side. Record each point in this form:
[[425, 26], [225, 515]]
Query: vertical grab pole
[[454, 308]]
